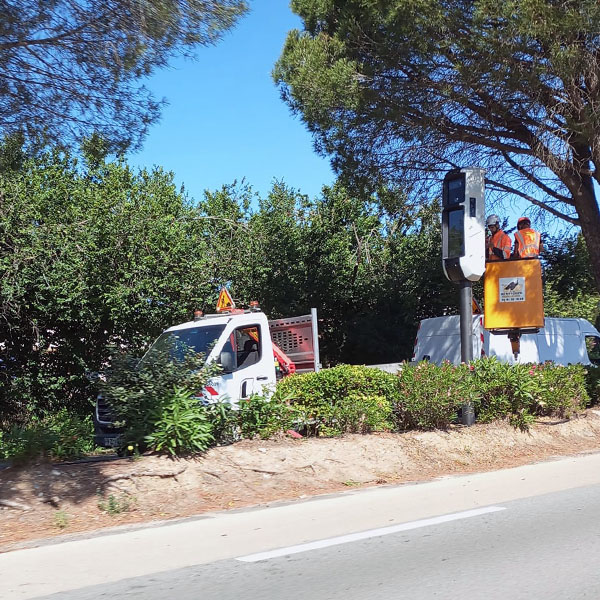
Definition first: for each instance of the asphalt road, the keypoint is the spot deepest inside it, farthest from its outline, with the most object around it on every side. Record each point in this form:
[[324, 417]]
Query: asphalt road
[[543, 545]]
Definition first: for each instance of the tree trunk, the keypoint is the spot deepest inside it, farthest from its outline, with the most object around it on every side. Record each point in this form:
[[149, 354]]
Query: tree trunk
[[586, 205]]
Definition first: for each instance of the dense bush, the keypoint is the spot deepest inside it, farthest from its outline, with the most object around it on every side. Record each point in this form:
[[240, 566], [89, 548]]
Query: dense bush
[[362, 413], [522, 392], [224, 420], [157, 404], [152, 400], [592, 384], [343, 399], [427, 396], [430, 396], [264, 417], [180, 425], [60, 436], [90, 255]]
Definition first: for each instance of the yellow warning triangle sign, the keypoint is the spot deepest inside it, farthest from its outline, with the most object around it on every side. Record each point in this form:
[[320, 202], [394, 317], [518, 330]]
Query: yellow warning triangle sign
[[225, 301]]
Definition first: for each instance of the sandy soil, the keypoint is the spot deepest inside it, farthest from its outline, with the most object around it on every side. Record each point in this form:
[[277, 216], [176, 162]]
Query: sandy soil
[[45, 500]]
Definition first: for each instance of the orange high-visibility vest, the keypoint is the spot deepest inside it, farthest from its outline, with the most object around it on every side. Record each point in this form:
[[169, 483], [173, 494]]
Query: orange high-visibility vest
[[501, 241], [527, 243]]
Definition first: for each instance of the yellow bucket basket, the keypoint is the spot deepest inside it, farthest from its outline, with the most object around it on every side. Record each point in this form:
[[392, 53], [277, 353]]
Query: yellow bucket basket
[[513, 297]]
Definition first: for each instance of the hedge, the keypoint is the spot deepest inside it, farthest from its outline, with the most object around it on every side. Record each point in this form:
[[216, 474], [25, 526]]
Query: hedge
[[427, 396]]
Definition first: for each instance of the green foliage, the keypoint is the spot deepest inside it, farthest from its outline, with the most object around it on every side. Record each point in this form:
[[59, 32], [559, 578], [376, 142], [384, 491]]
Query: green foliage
[[426, 396], [152, 400], [224, 420], [73, 435], [60, 519], [23, 443], [570, 290], [362, 413], [76, 68], [115, 505], [180, 425], [95, 256], [264, 417], [525, 391], [90, 257], [592, 384], [430, 396], [370, 264], [398, 92], [61, 436], [342, 399]]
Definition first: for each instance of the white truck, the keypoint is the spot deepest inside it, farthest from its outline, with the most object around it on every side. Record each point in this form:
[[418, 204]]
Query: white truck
[[253, 352], [563, 341]]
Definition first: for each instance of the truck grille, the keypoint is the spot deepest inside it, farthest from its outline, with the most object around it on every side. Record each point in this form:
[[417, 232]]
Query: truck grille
[[103, 411]]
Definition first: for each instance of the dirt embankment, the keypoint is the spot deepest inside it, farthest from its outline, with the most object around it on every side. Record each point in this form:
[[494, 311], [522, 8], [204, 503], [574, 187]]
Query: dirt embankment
[[46, 500]]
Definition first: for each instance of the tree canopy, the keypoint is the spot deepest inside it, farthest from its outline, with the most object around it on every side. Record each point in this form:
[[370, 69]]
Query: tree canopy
[[71, 68], [406, 89], [96, 256]]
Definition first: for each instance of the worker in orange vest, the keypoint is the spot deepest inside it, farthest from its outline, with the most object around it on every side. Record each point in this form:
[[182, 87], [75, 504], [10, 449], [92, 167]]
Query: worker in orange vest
[[528, 241], [497, 243]]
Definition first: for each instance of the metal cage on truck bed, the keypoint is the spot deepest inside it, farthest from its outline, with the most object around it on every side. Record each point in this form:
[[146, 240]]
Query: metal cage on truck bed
[[298, 337]]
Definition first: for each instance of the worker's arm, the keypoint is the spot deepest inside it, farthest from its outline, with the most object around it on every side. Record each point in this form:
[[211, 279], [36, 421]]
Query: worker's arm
[[515, 253]]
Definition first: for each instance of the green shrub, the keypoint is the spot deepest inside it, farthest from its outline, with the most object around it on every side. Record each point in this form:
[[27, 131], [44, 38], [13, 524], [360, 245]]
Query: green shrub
[[562, 389], [24, 443], [312, 410], [427, 396], [73, 435], [156, 407], [362, 413], [224, 420], [504, 391], [115, 505], [140, 394], [430, 396], [61, 436], [592, 384], [60, 519], [340, 400], [180, 425], [523, 391], [263, 417]]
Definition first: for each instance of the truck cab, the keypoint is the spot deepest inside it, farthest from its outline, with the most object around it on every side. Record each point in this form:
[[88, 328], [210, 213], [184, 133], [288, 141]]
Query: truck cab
[[241, 341]]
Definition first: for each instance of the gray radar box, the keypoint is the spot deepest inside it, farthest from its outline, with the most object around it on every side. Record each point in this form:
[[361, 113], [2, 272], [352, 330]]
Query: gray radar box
[[463, 224]]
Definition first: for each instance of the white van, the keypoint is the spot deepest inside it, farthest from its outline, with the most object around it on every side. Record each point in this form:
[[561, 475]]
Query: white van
[[563, 341]]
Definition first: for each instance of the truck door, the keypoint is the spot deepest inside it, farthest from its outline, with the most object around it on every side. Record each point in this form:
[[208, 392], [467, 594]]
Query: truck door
[[251, 366]]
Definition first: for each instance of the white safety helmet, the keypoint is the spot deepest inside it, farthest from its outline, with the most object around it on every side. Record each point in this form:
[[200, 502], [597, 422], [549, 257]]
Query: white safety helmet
[[492, 220]]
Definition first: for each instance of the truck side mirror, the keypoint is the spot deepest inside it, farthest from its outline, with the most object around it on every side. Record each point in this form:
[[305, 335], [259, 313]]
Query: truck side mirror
[[226, 361]]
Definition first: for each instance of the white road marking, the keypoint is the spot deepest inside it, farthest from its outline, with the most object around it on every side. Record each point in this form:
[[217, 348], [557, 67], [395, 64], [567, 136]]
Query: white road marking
[[371, 533]]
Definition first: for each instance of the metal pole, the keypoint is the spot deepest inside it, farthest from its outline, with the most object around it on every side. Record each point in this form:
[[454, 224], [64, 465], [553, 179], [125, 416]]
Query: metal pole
[[466, 321], [466, 340], [315, 339]]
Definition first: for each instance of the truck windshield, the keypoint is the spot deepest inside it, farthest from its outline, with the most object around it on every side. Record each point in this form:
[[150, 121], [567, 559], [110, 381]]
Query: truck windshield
[[198, 339]]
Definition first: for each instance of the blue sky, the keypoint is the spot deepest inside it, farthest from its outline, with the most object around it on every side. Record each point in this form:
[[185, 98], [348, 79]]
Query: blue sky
[[225, 120]]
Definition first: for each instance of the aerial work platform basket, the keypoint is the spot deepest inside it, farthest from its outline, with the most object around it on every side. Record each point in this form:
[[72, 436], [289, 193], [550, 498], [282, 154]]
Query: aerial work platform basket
[[513, 296]]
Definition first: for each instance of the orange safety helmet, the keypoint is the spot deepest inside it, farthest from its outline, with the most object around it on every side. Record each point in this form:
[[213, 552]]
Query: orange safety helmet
[[523, 220]]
